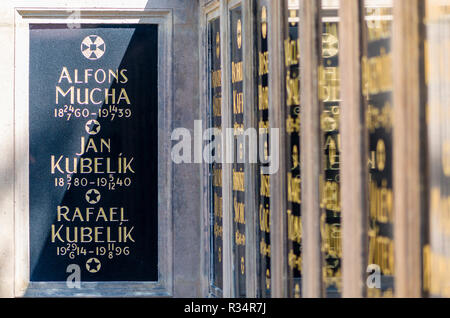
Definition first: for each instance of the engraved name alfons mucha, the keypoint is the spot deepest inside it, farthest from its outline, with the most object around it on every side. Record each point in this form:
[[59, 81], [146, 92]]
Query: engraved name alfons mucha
[[93, 170]]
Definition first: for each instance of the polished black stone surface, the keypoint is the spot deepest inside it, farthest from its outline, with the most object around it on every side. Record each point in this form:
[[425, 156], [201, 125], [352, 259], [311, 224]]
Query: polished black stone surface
[[115, 183]]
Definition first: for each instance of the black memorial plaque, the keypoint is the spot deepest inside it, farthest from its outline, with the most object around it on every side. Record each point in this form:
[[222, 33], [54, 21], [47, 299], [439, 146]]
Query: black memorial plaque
[[237, 91], [215, 83], [330, 222], [293, 173], [263, 184], [377, 89], [93, 169]]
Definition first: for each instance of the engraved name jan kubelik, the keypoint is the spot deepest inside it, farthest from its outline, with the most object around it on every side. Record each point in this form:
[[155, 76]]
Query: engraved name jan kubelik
[[93, 164]]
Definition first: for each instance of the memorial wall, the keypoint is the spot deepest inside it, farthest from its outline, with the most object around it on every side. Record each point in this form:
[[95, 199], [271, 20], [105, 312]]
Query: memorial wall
[[277, 31], [92, 203], [224, 148]]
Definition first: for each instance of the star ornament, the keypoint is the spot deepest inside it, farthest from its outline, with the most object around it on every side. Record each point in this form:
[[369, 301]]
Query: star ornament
[[93, 196], [93, 265], [92, 127], [93, 47], [330, 45]]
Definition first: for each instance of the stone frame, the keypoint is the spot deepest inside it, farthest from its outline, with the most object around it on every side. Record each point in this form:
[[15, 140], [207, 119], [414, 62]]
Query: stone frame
[[164, 19], [208, 12]]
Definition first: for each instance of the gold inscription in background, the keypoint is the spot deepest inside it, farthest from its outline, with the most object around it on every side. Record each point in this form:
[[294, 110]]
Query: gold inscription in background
[[264, 22], [239, 34]]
